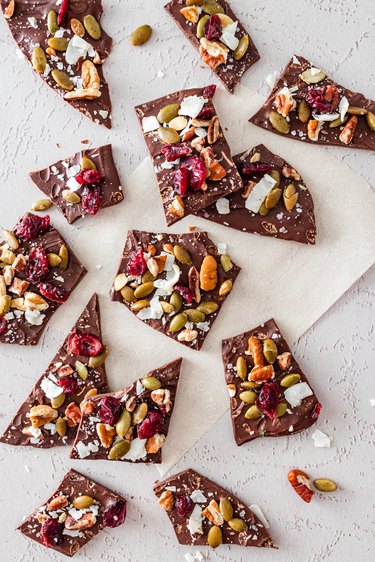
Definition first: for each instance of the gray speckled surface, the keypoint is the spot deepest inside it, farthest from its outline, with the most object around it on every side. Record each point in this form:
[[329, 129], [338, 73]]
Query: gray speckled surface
[[338, 353]]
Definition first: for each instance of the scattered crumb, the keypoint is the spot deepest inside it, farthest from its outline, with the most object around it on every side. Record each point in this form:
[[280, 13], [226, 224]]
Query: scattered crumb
[[192, 228], [85, 141], [372, 402], [99, 266], [321, 439]]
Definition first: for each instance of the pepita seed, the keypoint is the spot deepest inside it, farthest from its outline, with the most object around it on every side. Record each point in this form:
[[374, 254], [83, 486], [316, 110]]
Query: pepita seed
[[248, 385], [144, 290], [354, 110], [248, 396], [140, 305], [214, 537], [167, 307], [52, 22], [176, 301], [325, 485], [92, 27], [226, 263], [147, 277], [99, 360], [58, 43], [195, 315], [273, 198], [123, 424], [290, 197], [141, 35], [182, 255], [370, 118], [200, 26], [178, 322], [312, 77], [263, 211], [241, 368], [77, 27], [226, 287], [139, 413], [281, 409], [90, 393], [58, 401], [290, 380], [127, 294], [338, 122], [208, 307], [238, 525], [39, 60], [41, 205], [178, 123], [304, 111], [168, 113], [226, 509], [151, 383], [5, 302], [83, 502], [242, 48], [62, 79], [87, 163], [82, 370], [11, 239], [212, 7], [168, 135], [119, 450], [61, 427], [53, 260], [279, 123], [253, 413], [270, 350], [120, 281], [275, 174], [64, 255], [71, 196]]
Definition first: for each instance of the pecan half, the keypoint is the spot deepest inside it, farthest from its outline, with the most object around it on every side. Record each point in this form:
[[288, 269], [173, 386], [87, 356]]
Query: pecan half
[[57, 503], [155, 443], [213, 132], [213, 53], [87, 521], [313, 129], [73, 413], [166, 500], [42, 414], [284, 360], [256, 351], [289, 172], [261, 374], [301, 483], [213, 514], [285, 102], [347, 134], [162, 397], [106, 434], [218, 172]]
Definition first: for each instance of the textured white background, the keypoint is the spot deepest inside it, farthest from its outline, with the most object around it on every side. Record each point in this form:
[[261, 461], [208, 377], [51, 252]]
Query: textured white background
[[338, 353]]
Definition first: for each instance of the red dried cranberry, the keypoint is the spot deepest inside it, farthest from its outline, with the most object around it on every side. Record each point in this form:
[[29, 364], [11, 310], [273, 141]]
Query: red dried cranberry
[[185, 292], [316, 411], [197, 171], [91, 198], [137, 264], [150, 425], [63, 13], [68, 384], [268, 399], [209, 91], [30, 226], [181, 181], [115, 514], [255, 168], [53, 293], [109, 410], [3, 325], [52, 532], [174, 151], [315, 99], [206, 113], [213, 29], [184, 506], [84, 344], [37, 266], [87, 176]]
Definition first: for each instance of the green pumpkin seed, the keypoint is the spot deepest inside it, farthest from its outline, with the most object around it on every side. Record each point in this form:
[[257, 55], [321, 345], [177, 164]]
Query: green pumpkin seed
[[61, 426], [141, 35], [62, 79], [53, 26], [123, 424], [39, 60], [119, 450], [270, 351], [176, 301], [226, 287], [226, 263], [139, 413], [290, 380], [182, 255], [168, 113], [241, 368], [92, 27], [178, 322], [195, 315], [200, 26], [242, 48], [263, 211], [248, 396], [99, 360], [273, 198], [214, 537], [279, 123], [147, 276], [58, 43], [208, 307], [325, 485], [338, 122], [58, 401], [275, 174], [249, 385], [290, 197], [281, 409], [168, 135], [83, 502], [144, 290], [238, 525], [304, 111], [253, 413], [41, 205], [64, 255], [354, 110], [312, 77], [53, 260], [151, 383], [71, 197], [226, 509], [82, 370], [167, 307], [370, 118], [140, 305], [212, 7], [87, 163], [127, 294]]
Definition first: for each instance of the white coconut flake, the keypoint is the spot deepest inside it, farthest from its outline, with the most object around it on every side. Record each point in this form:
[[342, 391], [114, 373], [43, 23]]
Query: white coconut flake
[[325, 116], [228, 37], [73, 171], [36, 432], [51, 427], [201, 132], [259, 193], [222, 206], [372, 402], [296, 393], [152, 312], [222, 248], [189, 557], [232, 392], [170, 281], [191, 106], [295, 60], [203, 326], [70, 533], [137, 450], [195, 521], [76, 513], [343, 107], [321, 439], [150, 124], [139, 388], [77, 48], [85, 450], [259, 513], [314, 71], [34, 317], [198, 497], [50, 389], [272, 78], [32, 21], [73, 184]]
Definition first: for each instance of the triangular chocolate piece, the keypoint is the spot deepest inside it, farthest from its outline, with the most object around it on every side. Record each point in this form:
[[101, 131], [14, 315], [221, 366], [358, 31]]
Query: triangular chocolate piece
[[269, 394], [78, 510], [202, 513], [38, 272], [90, 174], [50, 415], [67, 47], [175, 283], [306, 105], [288, 210], [129, 425]]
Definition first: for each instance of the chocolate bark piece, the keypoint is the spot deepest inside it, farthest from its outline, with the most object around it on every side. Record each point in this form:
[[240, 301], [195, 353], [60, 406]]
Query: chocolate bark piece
[[78, 378], [130, 425], [34, 287], [306, 105], [190, 287], [220, 41], [193, 164], [257, 363], [292, 216], [58, 177], [77, 54], [63, 525], [195, 504]]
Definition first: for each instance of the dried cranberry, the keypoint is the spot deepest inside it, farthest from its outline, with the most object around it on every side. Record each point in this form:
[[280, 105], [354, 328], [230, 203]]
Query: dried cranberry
[[30, 226], [68, 384], [184, 506], [115, 514], [185, 292], [174, 151], [37, 266], [268, 399], [206, 113], [213, 29], [91, 198], [3, 325], [52, 532], [209, 91], [87, 176], [150, 425], [181, 181], [109, 410], [315, 99], [316, 411], [197, 171], [255, 168], [53, 293], [137, 264], [84, 344], [63, 13]]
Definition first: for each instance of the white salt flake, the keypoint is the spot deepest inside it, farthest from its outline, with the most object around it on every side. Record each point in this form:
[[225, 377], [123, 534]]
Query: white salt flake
[[259, 193], [296, 393], [321, 439], [32, 21]]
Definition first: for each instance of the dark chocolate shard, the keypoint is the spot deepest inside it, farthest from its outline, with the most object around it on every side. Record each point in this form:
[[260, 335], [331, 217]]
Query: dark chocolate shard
[[223, 43], [195, 505], [39, 271], [291, 218], [306, 105], [61, 524], [272, 405], [61, 176], [187, 295], [130, 425], [193, 164], [74, 66], [77, 377]]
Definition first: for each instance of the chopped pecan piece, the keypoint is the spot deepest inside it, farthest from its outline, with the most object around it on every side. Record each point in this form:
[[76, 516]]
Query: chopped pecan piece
[[347, 134]]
